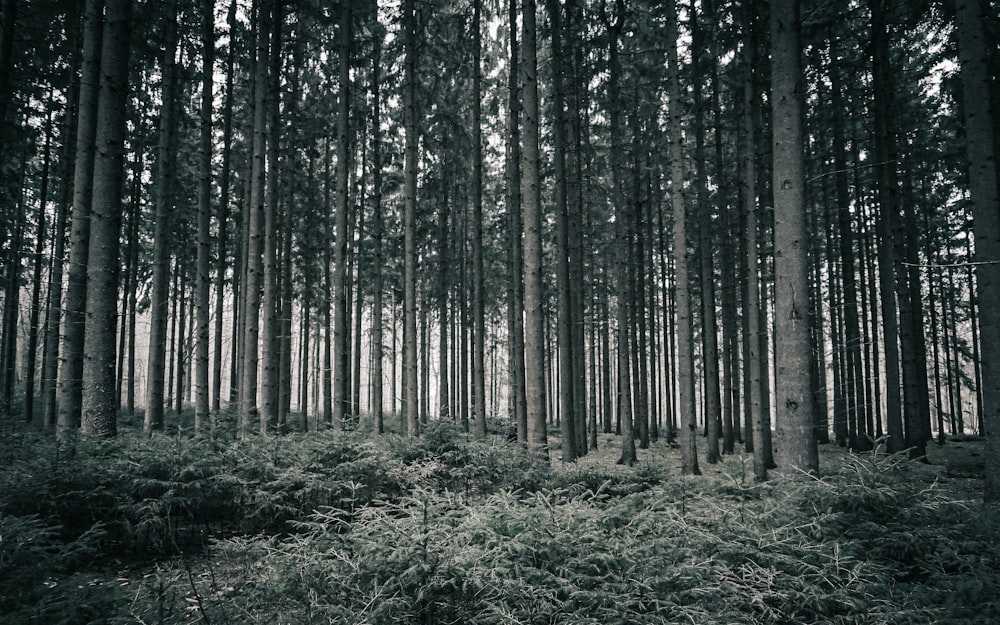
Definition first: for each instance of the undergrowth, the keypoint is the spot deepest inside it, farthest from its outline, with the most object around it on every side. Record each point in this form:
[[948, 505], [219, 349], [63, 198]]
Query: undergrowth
[[350, 528]]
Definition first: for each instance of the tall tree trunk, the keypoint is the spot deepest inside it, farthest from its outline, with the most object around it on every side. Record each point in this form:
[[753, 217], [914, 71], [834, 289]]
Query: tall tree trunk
[[409, 217], [166, 158], [31, 356], [706, 260], [377, 227], [515, 290], [270, 326], [753, 404], [979, 134], [327, 294], [223, 217], [53, 315], [534, 311], [793, 348], [685, 335], [478, 276], [885, 172], [203, 303], [248, 414], [71, 351], [100, 402], [564, 391]]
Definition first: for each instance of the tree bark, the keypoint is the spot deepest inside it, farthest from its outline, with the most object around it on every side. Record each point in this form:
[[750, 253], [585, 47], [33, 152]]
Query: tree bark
[[685, 337], [979, 133], [409, 218], [793, 348], [71, 351], [100, 401], [534, 312], [201, 414]]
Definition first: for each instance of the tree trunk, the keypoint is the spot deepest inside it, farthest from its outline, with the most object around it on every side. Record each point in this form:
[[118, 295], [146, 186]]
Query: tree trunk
[[979, 134], [270, 326], [31, 356], [409, 218], [885, 172], [159, 304], [223, 217], [100, 402], [564, 391], [53, 315], [793, 348], [71, 351], [377, 227], [248, 414], [534, 311], [203, 303], [515, 287], [684, 331]]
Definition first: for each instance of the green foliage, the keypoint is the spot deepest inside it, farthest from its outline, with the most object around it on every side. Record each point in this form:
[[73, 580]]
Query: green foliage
[[348, 528]]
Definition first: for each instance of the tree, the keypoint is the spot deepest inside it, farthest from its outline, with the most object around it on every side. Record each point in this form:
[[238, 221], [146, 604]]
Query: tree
[[983, 181], [71, 351], [534, 312], [167, 156], [478, 277], [409, 218], [204, 218], [793, 348], [685, 333], [100, 401], [248, 413]]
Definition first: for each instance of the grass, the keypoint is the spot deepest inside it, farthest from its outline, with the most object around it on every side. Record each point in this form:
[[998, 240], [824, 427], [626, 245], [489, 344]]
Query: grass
[[351, 528]]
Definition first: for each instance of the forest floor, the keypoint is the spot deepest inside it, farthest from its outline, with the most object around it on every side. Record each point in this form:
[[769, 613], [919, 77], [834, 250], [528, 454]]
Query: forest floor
[[351, 528]]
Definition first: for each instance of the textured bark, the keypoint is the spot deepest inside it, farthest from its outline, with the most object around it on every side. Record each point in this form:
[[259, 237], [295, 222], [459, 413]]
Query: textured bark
[[202, 301], [793, 349], [270, 354], [409, 219], [885, 173], [166, 157], [71, 350], [688, 426], [478, 274], [377, 228], [223, 217], [248, 412], [706, 261], [566, 376], [100, 400], [979, 134], [531, 208], [515, 290], [31, 356], [53, 315]]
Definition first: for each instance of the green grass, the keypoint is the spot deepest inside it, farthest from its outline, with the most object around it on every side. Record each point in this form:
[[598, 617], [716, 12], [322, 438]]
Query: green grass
[[332, 527]]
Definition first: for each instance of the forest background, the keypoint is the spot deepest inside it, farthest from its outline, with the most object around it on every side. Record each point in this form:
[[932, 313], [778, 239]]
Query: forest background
[[242, 166], [730, 227]]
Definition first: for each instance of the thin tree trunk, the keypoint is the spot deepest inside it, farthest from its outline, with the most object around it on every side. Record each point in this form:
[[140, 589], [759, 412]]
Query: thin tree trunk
[[203, 303], [223, 218], [248, 414], [409, 218], [685, 337], [377, 328], [31, 356], [885, 171], [534, 312], [515, 290]]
